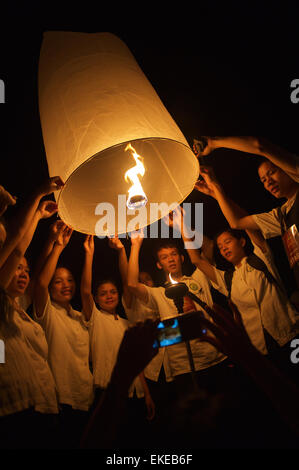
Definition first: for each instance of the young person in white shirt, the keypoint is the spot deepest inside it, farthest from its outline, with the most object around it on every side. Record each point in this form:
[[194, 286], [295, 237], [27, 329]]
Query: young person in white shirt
[[67, 337], [264, 305], [157, 372], [106, 330], [207, 360], [137, 311], [27, 388], [279, 173]]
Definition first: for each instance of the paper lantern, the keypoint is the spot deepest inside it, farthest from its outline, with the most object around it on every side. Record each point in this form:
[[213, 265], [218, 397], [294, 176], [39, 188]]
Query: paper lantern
[[94, 100]]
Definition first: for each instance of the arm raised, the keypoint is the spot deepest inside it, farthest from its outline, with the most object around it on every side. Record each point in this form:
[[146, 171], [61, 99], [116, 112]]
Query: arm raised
[[86, 278]]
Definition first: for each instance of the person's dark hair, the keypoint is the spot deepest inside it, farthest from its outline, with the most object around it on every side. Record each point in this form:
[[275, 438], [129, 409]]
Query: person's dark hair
[[238, 234], [260, 160], [165, 244], [106, 280]]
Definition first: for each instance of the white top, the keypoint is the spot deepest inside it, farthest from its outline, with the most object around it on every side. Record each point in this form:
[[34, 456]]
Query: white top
[[68, 341], [140, 312], [106, 333], [25, 377], [204, 354], [269, 222], [260, 302]]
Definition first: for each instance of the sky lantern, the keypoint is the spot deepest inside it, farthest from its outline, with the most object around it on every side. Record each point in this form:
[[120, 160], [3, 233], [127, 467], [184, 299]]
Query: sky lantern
[[108, 135]]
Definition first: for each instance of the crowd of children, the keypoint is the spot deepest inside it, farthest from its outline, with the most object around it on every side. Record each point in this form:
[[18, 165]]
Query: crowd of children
[[91, 378]]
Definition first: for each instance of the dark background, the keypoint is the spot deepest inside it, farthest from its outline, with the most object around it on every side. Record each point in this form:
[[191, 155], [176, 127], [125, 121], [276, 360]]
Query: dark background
[[220, 69]]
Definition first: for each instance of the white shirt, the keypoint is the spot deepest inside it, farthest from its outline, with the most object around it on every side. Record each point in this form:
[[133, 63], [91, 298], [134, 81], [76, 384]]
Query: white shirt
[[140, 312], [25, 378], [204, 354], [68, 341], [106, 333], [261, 303], [269, 222]]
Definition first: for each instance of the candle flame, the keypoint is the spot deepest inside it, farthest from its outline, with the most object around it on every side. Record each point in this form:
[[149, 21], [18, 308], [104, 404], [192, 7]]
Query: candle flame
[[172, 280], [137, 197]]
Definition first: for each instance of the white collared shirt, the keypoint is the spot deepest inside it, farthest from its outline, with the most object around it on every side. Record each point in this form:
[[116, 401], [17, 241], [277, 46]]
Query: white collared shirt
[[261, 303], [25, 378], [204, 354], [68, 341], [269, 222], [106, 333]]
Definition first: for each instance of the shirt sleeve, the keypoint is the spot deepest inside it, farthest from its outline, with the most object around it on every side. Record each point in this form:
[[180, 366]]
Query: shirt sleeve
[[87, 323], [200, 277], [46, 320], [268, 223], [220, 283], [46, 312], [129, 310], [151, 303]]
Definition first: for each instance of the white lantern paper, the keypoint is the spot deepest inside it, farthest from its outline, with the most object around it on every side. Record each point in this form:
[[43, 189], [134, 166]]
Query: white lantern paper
[[94, 100]]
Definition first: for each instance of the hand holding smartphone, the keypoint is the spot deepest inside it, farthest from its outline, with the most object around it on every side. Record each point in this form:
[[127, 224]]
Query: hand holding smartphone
[[180, 328]]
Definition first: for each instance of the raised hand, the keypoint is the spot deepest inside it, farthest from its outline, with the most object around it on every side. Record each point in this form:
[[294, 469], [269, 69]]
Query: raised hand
[[89, 245], [46, 209], [52, 184], [175, 218], [203, 146], [55, 229], [135, 352], [231, 337], [137, 237], [64, 236], [6, 199], [115, 243], [202, 187], [208, 182]]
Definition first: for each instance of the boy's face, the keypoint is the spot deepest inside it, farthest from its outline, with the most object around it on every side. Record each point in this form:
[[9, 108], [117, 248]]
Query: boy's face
[[275, 180], [170, 260], [231, 248]]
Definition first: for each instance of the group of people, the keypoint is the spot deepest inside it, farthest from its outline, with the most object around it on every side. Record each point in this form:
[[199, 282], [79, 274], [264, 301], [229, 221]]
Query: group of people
[[92, 378]]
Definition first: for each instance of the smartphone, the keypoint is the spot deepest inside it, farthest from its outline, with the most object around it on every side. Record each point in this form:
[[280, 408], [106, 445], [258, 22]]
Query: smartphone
[[180, 328]]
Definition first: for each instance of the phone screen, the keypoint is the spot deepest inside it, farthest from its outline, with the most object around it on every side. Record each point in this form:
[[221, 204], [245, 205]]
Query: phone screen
[[168, 333], [181, 328]]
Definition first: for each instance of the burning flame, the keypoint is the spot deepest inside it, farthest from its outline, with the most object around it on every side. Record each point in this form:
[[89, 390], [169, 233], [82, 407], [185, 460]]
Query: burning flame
[[172, 280], [137, 197]]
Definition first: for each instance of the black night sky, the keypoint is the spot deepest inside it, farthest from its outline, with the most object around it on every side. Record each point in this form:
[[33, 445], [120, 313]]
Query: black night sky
[[220, 69]]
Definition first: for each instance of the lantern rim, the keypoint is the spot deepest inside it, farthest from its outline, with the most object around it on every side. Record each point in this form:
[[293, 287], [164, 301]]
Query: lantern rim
[[120, 144]]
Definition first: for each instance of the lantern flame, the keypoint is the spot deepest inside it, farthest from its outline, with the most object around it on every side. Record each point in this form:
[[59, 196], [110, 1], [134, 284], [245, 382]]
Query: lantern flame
[[172, 280], [137, 197]]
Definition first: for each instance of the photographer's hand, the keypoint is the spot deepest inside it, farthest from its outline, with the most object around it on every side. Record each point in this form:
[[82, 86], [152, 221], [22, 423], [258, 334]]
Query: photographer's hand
[[232, 339]]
